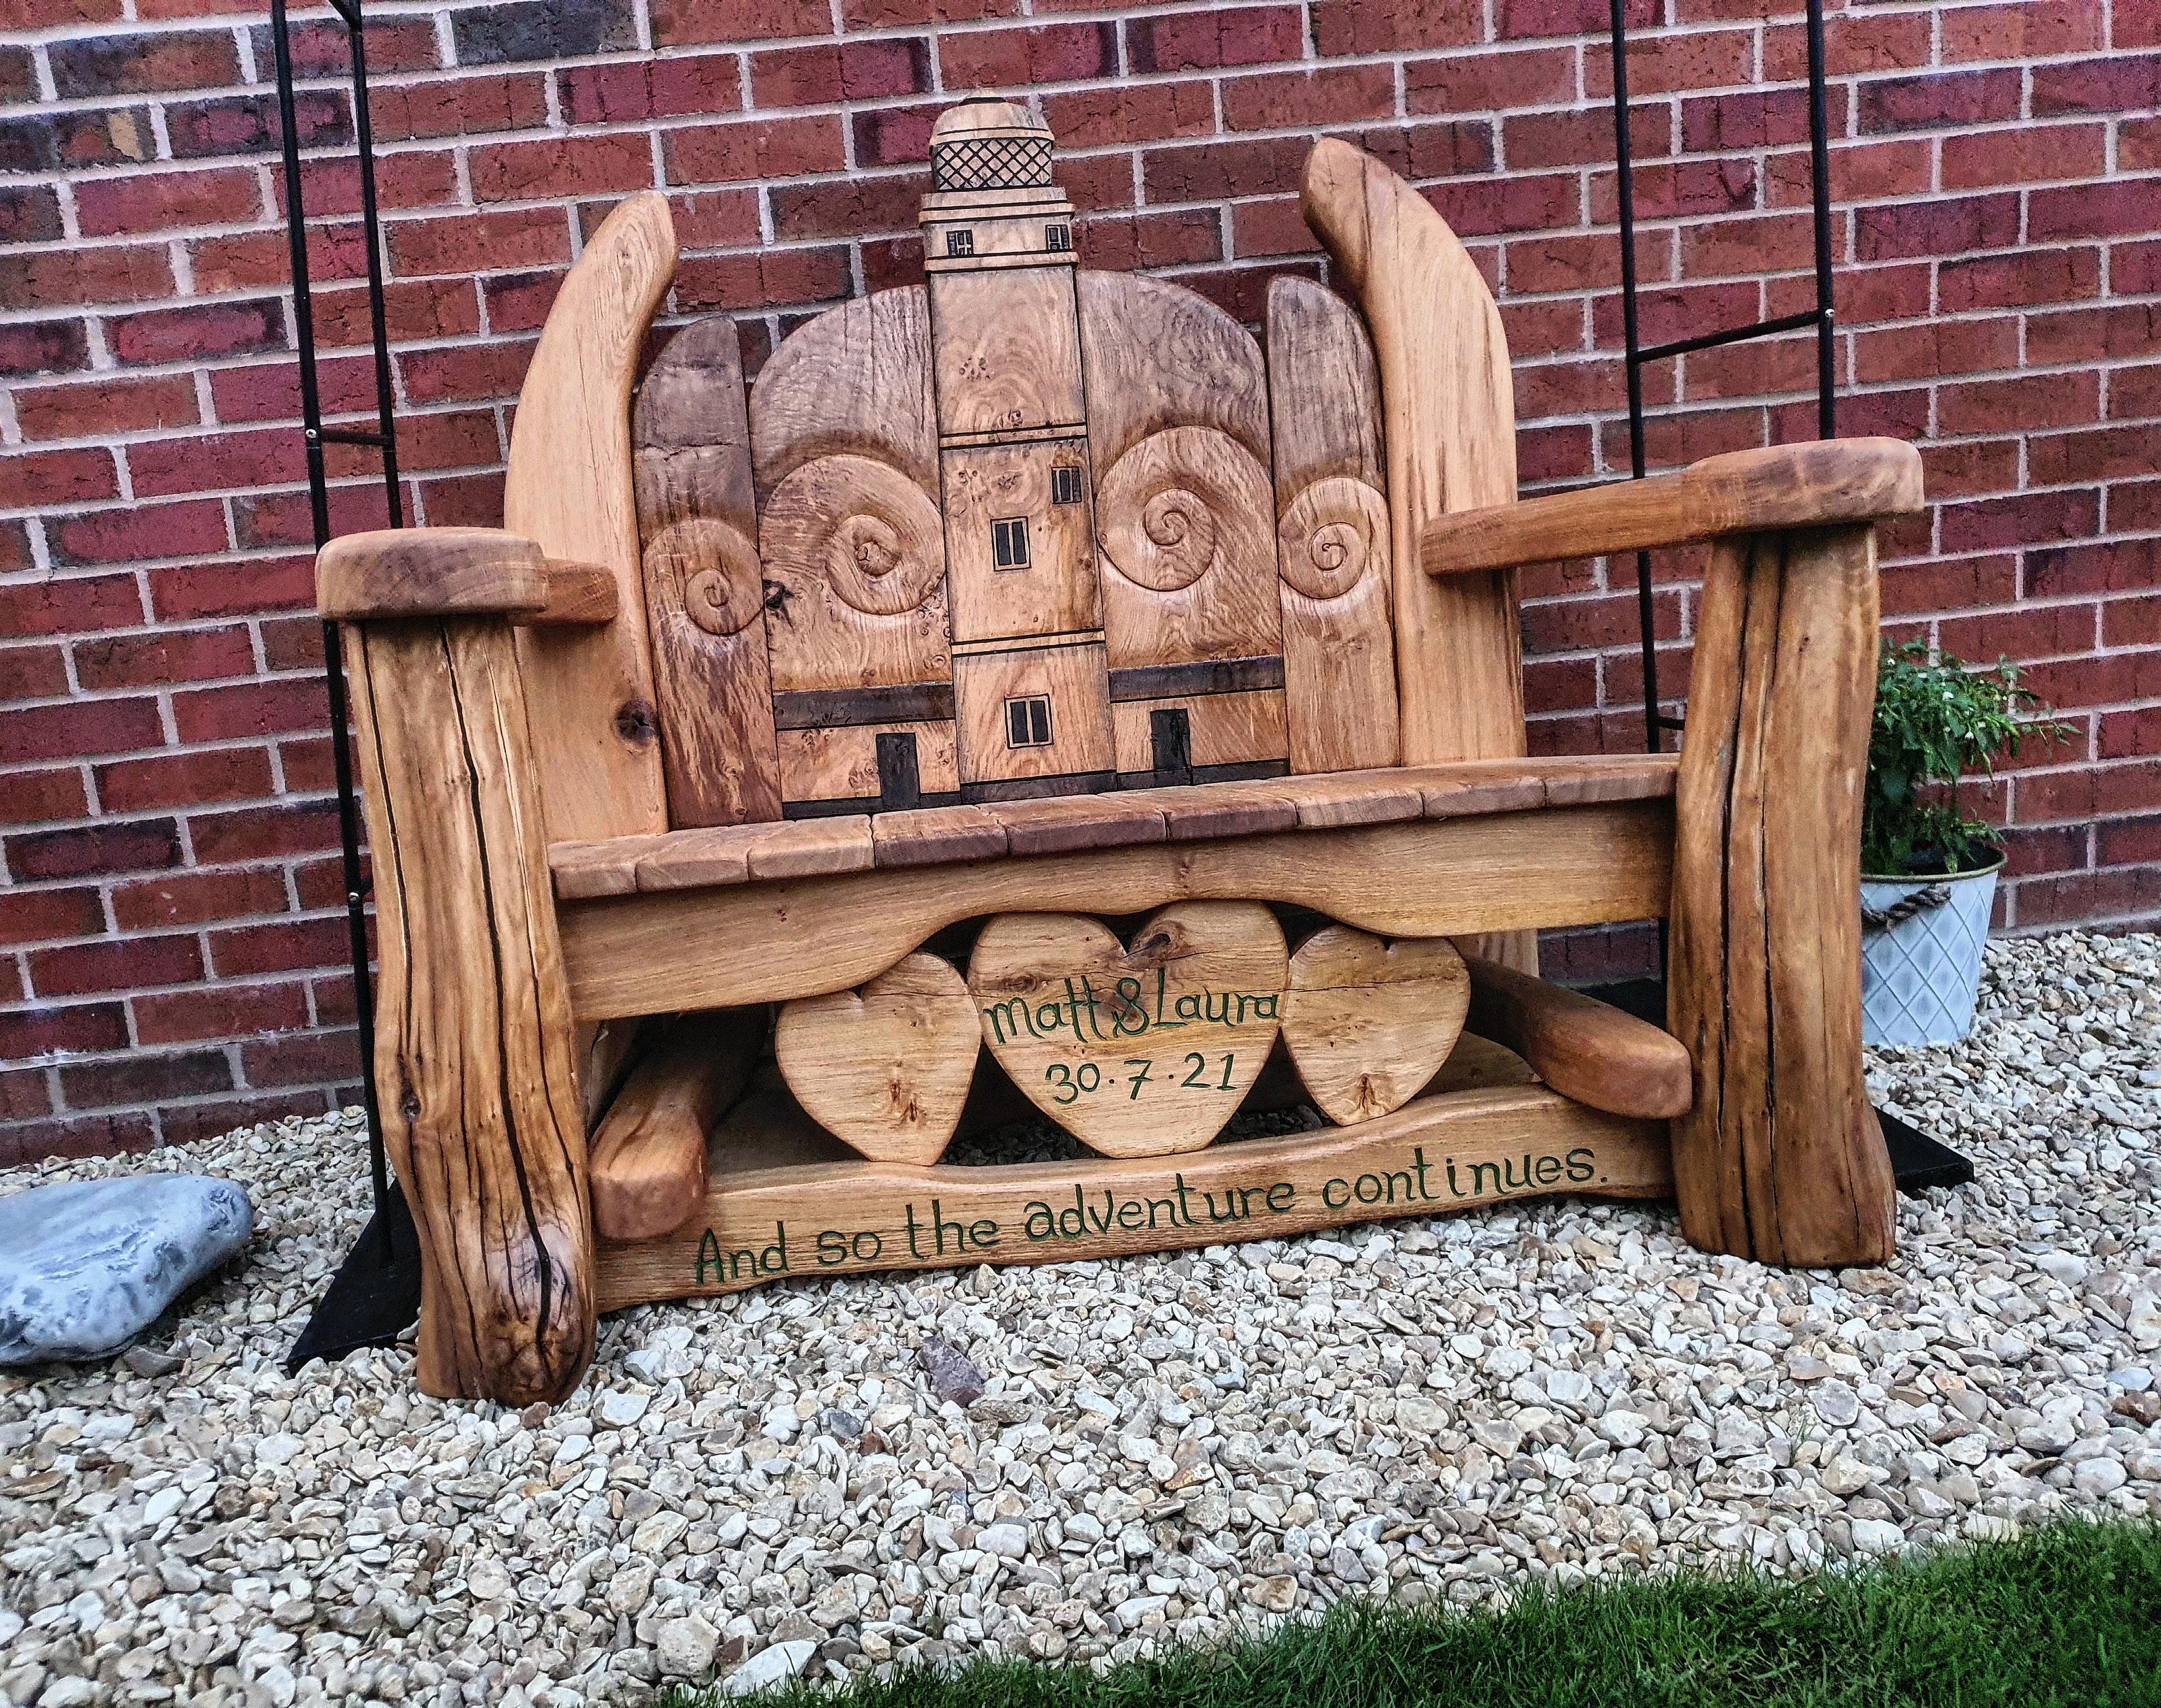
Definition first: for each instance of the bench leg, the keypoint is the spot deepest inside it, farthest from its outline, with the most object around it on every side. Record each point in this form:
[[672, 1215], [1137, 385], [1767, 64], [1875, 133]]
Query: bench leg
[[473, 1035], [1780, 1158]]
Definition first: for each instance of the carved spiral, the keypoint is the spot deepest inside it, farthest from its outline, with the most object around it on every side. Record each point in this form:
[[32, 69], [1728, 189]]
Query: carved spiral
[[1330, 532], [716, 569], [865, 529], [1168, 506]]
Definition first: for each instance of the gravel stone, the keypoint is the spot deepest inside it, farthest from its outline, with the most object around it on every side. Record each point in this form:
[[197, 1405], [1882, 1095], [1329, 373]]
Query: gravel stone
[[1074, 1462]]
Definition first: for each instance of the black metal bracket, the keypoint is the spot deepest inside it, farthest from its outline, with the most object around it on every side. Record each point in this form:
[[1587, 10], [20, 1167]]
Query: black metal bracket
[[314, 436], [1656, 722]]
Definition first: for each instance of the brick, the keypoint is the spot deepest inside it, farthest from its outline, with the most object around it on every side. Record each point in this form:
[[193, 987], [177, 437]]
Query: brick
[[249, 124], [2121, 83], [1935, 347], [78, 1136], [2086, 794], [518, 302], [1012, 59], [1689, 188], [301, 1058], [243, 588], [2120, 207], [1210, 38], [880, 69], [270, 391], [59, 142], [42, 478], [242, 261], [541, 29], [150, 64], [262, 833], [2031, 632], [2130, 622], [2013, 405], [464, 501], [184, 779], [2113, 453], [1970, 468], [41, 797], [33, 673], [330, 187], [1515, 19], [288, 946], [1939, 101], [465, 372], [85, 969], [2135, 734], [1854, 43], [753, 151], [166, 202], [1488, 82], [143, 1078], [109, 274], [322, 47], [577, 165], [193, 334], [47, 915], [1745, 120], [138, 531], [2113, 566], [1386, 26], [1859, 172], [78, 729], [628, 91], [157, 659], [2028, 30], [23, 1095], [2135, 393], [220, 1012], [1330, 95], [30, 213], [771, 279], [1270, 228], [2023, 519], [809, 212], [2123, 842], [1945, 227], [1751, 244], [457, 108], [47, 1030], [2020, 279], [1949, 584], [18, 77], [2031, 154], [1662, 63], [195, 898], [1583, 137], [43, 346], [690, 23]]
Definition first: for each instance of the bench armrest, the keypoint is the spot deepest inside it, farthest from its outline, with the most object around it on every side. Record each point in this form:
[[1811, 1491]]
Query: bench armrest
[[397, 572], [1822, 484]]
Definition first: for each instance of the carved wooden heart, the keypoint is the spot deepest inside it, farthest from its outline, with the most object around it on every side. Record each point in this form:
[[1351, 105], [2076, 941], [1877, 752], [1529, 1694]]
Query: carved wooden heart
[[1139, 1051], [887, 1067], [1369, 1021]]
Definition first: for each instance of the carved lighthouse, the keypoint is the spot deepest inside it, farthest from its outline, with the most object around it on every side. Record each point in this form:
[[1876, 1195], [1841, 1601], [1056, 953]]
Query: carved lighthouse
[[1031, 686]]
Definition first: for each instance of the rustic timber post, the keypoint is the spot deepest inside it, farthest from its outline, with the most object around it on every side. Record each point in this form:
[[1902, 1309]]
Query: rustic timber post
[[1779, 1158], [473, 1035]]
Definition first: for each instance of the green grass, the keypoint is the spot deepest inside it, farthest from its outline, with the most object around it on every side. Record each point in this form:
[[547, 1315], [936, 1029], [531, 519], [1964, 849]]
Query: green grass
[[2069, 1615]]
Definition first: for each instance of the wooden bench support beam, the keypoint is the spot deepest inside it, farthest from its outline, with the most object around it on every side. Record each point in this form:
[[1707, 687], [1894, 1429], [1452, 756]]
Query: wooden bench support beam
[[1780, 1158], [1583, 1048], [481, 1108], [654, 951], [648, 1164], [1440, 1153]]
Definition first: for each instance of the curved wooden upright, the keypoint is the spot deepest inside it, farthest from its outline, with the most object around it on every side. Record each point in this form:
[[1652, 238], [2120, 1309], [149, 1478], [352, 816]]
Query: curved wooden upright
[[569, 489]]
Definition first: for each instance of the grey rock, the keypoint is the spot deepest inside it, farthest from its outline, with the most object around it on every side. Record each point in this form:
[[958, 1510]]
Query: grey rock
[[771, 1665], [1835, 1403], [87, 1264], [952, 1375]]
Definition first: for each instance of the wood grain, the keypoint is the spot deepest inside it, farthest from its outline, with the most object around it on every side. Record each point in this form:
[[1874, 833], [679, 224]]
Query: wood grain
[[1332, 531], [1779, 1158], [1581, 1047], [705, 594], [1369, 1021], [1155, 355], [648, 1156], [1789, 486], [1006, 349], [1435, 1154], [473, 1037], [743, 943], [887, 1067], [569, 489], [429, 571], [855, 379], [1140, 1049]]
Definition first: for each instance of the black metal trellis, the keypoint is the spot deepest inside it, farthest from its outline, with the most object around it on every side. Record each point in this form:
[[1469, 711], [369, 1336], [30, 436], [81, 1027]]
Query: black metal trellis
[[382, 440], [1821, 316]]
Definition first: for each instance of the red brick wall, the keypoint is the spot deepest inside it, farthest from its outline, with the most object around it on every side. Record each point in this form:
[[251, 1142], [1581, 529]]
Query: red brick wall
[[171, 938]]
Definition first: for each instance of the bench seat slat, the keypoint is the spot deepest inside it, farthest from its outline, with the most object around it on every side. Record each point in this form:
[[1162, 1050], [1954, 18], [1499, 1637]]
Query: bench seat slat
[[1064, 823]]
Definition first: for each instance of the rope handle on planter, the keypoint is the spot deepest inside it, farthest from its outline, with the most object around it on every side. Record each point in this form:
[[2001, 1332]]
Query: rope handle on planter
[[1919, 901]]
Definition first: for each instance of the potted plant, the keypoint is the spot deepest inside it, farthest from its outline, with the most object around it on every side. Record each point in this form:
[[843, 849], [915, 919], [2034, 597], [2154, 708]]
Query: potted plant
[[1928, 883]]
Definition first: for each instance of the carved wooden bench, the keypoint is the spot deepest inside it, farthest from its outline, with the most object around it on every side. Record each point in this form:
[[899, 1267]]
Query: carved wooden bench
[[1036, 693]]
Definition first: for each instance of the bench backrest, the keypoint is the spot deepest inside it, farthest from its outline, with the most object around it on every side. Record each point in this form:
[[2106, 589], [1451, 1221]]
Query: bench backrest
[[1029, 529]]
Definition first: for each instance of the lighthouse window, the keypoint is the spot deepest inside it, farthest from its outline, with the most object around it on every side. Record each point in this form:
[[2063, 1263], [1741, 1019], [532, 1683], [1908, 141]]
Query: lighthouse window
[[1028, 720], [959, 242], [1058, 239], [1009, 543], [1065, 485]]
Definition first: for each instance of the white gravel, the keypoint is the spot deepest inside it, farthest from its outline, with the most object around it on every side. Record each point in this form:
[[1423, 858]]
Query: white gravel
[[1163, 1445]]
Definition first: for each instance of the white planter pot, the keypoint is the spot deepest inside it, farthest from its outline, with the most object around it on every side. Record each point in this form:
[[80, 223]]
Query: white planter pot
[[1918, 976]]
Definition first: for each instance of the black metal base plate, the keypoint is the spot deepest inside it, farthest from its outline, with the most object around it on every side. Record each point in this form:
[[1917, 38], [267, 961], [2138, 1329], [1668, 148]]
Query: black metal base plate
[[374, 1297], [1918, 1162]]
